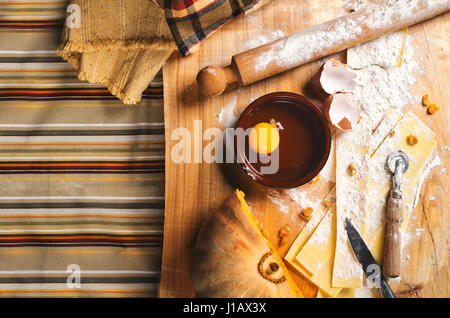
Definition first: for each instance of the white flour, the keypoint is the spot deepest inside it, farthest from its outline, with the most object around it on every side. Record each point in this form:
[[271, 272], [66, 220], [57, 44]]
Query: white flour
[[326, 224], [386, 51], [436, 162], [380, 87], [227, 116]]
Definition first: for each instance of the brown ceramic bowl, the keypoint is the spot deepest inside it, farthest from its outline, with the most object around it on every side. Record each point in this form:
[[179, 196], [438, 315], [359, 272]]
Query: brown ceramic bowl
[[305, 140]]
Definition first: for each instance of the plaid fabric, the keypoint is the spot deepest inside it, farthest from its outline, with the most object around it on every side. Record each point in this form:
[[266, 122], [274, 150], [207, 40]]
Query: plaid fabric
[[191, 21]]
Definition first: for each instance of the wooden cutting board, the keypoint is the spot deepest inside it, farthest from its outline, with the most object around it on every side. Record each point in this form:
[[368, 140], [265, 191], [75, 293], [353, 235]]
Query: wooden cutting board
[[194, 189]]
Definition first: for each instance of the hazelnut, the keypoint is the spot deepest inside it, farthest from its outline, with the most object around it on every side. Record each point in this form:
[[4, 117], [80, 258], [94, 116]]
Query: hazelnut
[[316, 179], [412, 140], [433, 108], [351, 169], [307, 211]]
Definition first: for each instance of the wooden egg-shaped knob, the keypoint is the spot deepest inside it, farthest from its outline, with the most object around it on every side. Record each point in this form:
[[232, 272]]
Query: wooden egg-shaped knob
[[211, 80]]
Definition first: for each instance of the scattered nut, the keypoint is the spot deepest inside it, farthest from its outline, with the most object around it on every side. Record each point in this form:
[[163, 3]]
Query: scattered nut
[[307, 211], [425, 100], [284, 231], [351, 169], [328, 204], [283, 234], [433, 108], [412, 140], [274, 266], [273, 122], [316, 179]]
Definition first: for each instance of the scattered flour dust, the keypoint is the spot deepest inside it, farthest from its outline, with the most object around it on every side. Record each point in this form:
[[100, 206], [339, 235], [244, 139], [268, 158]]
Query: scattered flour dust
[[379, 89], [299, 196], [289, 53], [385, 51], [300, 47], [227, 116]]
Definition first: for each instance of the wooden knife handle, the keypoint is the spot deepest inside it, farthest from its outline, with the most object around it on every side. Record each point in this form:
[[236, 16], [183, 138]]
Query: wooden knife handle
[[393, 239], [316, 42]]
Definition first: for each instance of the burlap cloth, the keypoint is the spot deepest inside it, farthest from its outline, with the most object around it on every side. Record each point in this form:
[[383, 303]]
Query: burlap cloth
[[123, 43]]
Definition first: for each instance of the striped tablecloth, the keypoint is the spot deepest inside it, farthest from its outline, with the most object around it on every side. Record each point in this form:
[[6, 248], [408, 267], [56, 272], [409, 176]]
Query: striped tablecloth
[[81, 174]]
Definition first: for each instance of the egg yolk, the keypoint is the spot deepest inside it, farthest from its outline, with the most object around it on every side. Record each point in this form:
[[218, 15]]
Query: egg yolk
[[264, 138]]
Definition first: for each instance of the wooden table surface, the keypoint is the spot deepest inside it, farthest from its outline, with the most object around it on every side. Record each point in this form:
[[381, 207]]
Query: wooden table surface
[[194, 189]]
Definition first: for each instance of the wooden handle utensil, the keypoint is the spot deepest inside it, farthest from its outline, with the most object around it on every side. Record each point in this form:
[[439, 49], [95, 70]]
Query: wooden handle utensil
[[393, 243], [397, 163], [316, 42]]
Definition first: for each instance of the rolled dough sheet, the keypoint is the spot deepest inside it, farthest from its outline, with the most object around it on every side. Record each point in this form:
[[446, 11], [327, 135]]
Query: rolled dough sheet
[[390, 134], [325, 285], [304, 236]]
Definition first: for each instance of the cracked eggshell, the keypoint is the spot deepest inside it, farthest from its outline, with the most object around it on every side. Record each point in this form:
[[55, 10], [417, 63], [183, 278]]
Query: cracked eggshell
[[334, 77], [341, 112]]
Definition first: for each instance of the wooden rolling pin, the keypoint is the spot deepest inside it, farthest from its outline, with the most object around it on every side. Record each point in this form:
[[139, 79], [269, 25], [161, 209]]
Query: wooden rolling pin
[[318, 41]]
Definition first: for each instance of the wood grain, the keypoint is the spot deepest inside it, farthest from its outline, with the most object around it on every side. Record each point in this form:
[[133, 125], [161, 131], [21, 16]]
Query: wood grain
[[194, 189]]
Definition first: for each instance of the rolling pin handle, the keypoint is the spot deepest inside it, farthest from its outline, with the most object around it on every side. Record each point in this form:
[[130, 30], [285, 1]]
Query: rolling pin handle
[[393, 242], [213, 80]]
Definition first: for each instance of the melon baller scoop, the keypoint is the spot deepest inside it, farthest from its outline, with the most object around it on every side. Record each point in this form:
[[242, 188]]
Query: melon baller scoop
[[397, 163]]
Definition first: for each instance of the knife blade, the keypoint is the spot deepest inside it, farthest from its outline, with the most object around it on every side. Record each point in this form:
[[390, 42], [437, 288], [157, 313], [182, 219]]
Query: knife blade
[[365, 258]]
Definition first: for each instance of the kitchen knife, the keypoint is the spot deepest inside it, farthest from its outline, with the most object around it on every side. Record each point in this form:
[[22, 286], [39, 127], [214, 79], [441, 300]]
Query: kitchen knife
[[366, 259]]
